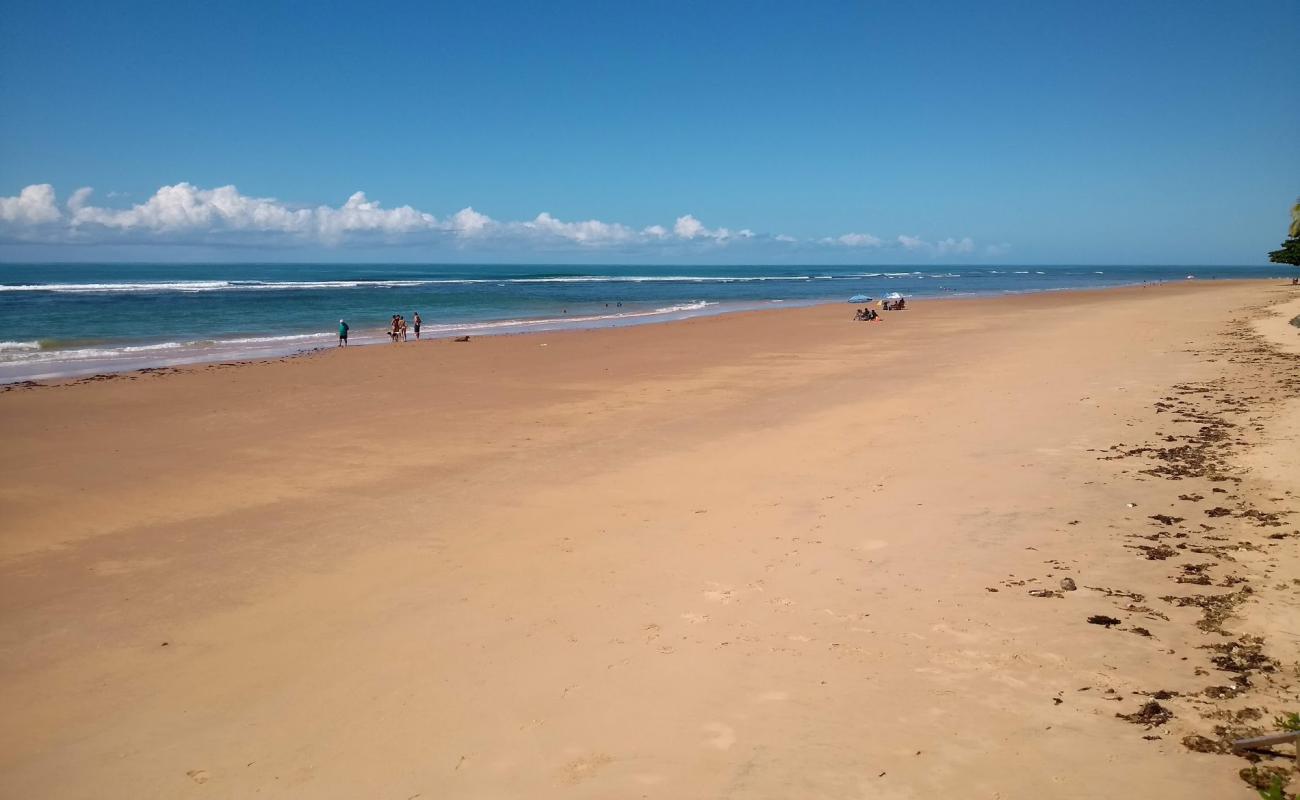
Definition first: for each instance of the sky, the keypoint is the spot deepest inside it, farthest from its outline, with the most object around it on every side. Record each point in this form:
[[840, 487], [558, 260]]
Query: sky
[[649, 132]]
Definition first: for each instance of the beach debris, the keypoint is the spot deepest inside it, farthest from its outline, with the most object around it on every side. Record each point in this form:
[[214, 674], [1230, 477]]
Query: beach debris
[[1218, 511], [1243, 656], [1166, 519], [1103, 620], [1068, 585], [1044, 593], [1215, 608], [466, 339], [1195, 574], [1117, 593], [1160, 694], [1157, 553], [1201, 744], [1150, 715], [1140, 631], [1265, 778]]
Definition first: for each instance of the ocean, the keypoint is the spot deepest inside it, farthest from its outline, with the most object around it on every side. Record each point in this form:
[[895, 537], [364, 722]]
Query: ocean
[[61, 320]]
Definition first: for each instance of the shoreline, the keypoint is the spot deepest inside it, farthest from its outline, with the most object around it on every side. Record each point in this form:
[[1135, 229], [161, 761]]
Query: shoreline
[[273, 347], [748, 555]]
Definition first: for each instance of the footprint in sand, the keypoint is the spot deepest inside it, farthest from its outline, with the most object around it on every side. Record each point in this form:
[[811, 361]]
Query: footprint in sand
[[720, 594], [198, 775], [580, 769], [695, 619], [719, 735]]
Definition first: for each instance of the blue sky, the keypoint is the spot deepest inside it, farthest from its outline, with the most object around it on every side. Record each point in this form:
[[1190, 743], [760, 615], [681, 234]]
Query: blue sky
[[1080, 132]]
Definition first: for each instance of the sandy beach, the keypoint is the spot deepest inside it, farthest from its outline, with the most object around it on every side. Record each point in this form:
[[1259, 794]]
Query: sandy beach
[[777, 554]]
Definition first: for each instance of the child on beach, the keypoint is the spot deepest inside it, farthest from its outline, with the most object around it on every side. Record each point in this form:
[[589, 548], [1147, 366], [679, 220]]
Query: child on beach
[[343, 334]]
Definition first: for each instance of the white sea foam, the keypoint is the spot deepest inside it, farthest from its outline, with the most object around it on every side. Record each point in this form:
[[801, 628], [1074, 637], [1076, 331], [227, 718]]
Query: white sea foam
[[275, 339], [145, 287], [27, 361], [514, 324]]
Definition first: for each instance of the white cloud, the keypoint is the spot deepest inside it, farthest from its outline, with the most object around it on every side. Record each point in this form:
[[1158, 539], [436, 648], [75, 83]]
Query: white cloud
[[469, 222], [688, 227], [856, 240], [590, 232], [34, 205], [943, 247], [958, 246], [187, 214]]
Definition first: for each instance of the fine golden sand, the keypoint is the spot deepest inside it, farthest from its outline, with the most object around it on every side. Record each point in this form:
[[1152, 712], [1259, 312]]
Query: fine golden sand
[[767, 555]]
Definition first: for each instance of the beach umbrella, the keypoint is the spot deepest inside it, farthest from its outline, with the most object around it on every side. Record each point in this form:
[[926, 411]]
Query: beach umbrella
[[893, 296], [859, 298]]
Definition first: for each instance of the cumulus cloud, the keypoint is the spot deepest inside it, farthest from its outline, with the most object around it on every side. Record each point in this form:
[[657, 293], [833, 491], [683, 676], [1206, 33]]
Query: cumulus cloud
[[944, 247], [855, 240], [956, 246], [35, 205], [187, 214], [688, 227], [588, 232]]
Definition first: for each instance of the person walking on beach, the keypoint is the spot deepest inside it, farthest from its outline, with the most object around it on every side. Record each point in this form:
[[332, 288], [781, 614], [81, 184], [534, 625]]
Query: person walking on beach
[[401, 321], [415, 321], [343, 334]]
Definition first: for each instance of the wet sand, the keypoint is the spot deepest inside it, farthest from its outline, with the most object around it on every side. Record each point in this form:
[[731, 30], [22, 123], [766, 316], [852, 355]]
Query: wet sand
[[772, 554]]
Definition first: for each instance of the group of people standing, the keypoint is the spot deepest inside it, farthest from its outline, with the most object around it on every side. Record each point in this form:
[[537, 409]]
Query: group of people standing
[[397, 330]]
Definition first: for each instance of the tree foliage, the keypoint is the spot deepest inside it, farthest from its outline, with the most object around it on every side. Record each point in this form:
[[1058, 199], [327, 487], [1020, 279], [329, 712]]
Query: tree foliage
[[1289, 252]]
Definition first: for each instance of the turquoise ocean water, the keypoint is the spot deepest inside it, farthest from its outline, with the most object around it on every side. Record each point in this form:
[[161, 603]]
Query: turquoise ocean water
[[60, 320]]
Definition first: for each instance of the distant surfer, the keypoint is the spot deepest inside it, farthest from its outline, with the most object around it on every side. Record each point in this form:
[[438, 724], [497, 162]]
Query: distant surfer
[[343, 334]]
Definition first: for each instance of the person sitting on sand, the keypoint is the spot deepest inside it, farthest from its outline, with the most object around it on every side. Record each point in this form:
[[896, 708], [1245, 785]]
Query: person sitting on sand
[[415, 321], [343, 334], [900, 305]]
